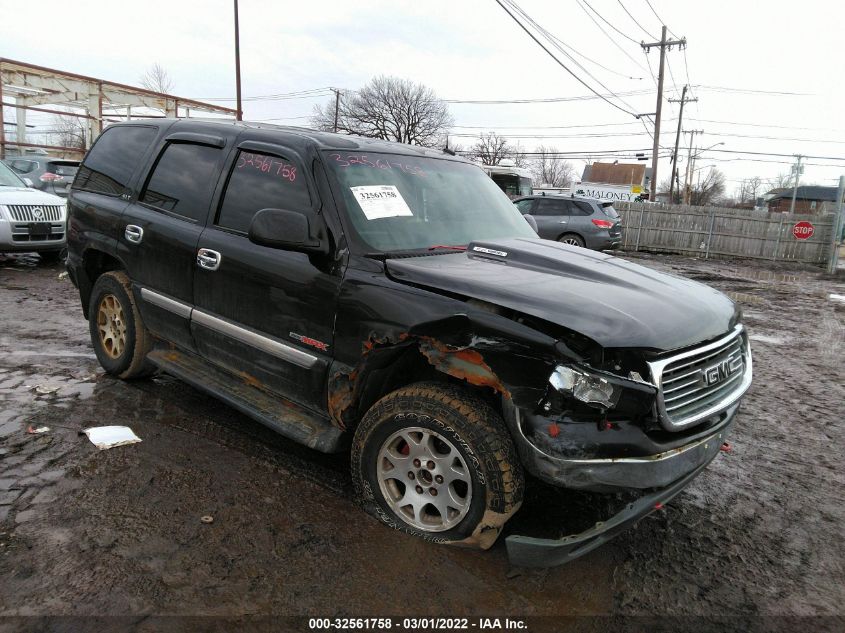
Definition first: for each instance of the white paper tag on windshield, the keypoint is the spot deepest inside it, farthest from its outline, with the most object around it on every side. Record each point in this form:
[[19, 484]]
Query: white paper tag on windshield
[[380, 201]]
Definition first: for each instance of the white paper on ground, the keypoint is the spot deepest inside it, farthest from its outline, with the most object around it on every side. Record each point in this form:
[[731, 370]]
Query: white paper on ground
[[381, 201], [110, 436]]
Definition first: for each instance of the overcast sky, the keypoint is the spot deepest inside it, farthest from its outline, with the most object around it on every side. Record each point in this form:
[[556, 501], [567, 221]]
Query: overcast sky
[[472, 50]]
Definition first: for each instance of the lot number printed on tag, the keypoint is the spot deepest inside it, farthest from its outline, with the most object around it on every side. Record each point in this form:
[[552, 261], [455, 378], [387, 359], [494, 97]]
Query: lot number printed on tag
[[380, 201]]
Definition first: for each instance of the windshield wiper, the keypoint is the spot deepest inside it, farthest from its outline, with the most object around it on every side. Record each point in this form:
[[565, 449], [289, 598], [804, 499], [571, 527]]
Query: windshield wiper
[[417, 252], [447, 246]]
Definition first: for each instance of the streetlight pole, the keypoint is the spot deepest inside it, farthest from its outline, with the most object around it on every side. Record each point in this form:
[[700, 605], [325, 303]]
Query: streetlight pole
[[240, 113]]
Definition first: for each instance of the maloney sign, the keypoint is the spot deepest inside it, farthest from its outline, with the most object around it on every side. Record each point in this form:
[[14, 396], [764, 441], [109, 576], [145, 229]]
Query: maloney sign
[[613, 193]]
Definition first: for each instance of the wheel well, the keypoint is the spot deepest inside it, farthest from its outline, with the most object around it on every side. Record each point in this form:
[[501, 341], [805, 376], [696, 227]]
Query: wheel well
[[407, 367], [94, 264], [573, 233]]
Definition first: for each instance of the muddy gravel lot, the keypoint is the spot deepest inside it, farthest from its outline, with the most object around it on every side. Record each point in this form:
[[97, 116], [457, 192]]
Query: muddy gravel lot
[[119, 532]]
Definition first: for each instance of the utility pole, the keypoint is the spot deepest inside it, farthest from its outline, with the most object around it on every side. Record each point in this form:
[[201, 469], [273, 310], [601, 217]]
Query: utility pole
[[663, 44], [797, 168], [336, 107], [240, 113], [682, 101], [688, 173]]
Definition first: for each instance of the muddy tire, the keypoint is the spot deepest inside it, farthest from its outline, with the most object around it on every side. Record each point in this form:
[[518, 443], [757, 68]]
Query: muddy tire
[[118, 335], [572, 239], [443, 441]]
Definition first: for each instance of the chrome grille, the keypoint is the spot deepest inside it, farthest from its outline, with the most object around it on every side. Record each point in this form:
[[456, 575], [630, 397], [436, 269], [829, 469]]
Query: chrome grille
[[27, 212], [700, 383]]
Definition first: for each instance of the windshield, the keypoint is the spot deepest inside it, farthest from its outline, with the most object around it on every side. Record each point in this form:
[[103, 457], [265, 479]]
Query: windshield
[[398, 203], [8, 178]]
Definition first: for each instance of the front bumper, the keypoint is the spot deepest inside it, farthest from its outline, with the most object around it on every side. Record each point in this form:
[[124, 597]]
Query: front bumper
[[15, 238], [526, 551]]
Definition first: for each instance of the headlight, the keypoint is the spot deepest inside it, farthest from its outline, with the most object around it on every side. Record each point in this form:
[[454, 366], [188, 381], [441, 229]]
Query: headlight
[[593, 390]]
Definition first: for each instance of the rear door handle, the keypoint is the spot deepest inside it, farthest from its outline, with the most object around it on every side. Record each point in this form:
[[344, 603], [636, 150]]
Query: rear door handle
[[209, 259], [133, 233]]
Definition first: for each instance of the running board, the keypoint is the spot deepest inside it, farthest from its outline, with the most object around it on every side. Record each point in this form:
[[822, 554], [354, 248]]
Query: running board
[[281, 415]]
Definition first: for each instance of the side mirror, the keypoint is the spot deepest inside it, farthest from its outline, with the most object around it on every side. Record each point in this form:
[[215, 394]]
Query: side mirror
[[28, 183], [289, 230], [531, 222]]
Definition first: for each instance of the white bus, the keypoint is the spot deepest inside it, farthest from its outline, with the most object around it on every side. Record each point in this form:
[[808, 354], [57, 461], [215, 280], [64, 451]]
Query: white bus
[[514, 181]]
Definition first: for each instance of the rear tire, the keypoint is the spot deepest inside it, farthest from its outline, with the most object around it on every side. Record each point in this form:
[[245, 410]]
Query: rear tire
[[120, 340], [434, 461], [571, 239]]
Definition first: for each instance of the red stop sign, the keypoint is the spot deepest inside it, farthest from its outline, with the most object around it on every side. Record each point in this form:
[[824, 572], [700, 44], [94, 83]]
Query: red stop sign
[[803, 230]]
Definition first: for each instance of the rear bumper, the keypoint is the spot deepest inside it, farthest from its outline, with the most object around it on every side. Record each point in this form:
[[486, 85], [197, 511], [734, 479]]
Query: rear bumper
[[526, 551]]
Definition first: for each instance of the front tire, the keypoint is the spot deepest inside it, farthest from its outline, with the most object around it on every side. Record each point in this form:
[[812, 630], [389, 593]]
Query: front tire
[[120, 340], [436, 462]]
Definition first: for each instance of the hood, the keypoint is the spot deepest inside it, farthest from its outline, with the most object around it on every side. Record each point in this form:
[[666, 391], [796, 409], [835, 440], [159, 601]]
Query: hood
[[612, 301], [25, 195]]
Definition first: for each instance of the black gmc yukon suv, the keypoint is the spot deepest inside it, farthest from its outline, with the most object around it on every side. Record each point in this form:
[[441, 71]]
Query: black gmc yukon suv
[[390, 300]]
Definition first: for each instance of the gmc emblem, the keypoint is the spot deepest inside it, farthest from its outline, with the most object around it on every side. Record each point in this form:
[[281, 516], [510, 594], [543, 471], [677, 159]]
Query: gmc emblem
[[721, 371]]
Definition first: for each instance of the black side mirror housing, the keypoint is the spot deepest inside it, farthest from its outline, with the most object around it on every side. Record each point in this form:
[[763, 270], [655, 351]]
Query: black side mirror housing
[[289, 230]]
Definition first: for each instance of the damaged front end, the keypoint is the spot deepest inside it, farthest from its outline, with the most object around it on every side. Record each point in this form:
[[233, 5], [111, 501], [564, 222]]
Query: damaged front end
[[612, 430]]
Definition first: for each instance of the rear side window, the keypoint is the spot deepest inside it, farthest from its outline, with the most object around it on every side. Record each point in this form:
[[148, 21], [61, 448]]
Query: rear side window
[[548, 206], [183, 179], [112, 161], [581, 208], [261, 181]]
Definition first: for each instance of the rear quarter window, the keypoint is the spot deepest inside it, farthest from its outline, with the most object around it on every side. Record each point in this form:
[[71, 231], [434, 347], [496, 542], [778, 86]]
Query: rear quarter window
[[183, 180], [109, 165]]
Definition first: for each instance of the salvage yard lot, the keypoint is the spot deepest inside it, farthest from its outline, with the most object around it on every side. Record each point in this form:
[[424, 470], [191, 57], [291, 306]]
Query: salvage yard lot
[[83, 531]]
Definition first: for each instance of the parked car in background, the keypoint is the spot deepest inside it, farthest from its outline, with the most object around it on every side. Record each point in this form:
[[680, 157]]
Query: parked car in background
[[585, 222], [47, 173], [30, 220]]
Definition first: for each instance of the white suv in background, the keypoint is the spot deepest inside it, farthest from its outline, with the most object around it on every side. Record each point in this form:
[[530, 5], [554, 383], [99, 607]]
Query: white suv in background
[[30, 220]]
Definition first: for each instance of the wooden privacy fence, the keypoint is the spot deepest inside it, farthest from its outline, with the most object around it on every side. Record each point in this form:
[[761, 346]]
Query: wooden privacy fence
[[722, 233]]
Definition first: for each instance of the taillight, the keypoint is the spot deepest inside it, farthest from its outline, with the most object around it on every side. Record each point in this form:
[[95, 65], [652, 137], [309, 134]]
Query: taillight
[[603, 224], [48, 177]]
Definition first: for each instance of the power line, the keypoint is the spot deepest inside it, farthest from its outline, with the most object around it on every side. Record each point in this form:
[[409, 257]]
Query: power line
[[603, 19], [595, 95], [608, 36], [560, 63], [552, 39], [624, 8]]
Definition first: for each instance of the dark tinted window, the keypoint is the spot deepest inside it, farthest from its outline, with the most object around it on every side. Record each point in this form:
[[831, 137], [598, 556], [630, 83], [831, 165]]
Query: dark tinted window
[[581, 208], [183, 180], [550, 206], [261, 181], [112, 161]]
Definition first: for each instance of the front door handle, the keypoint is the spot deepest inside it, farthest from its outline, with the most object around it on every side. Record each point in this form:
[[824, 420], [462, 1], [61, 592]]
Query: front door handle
[[209, 259], [133, 233]]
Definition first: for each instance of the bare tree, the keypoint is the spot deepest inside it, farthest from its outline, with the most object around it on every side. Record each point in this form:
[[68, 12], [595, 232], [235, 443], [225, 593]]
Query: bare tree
[[68, 131], [491, 149], [709, 188], [750, 189], [157, 79], [781, 181], [549, 169], [388, 108]]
